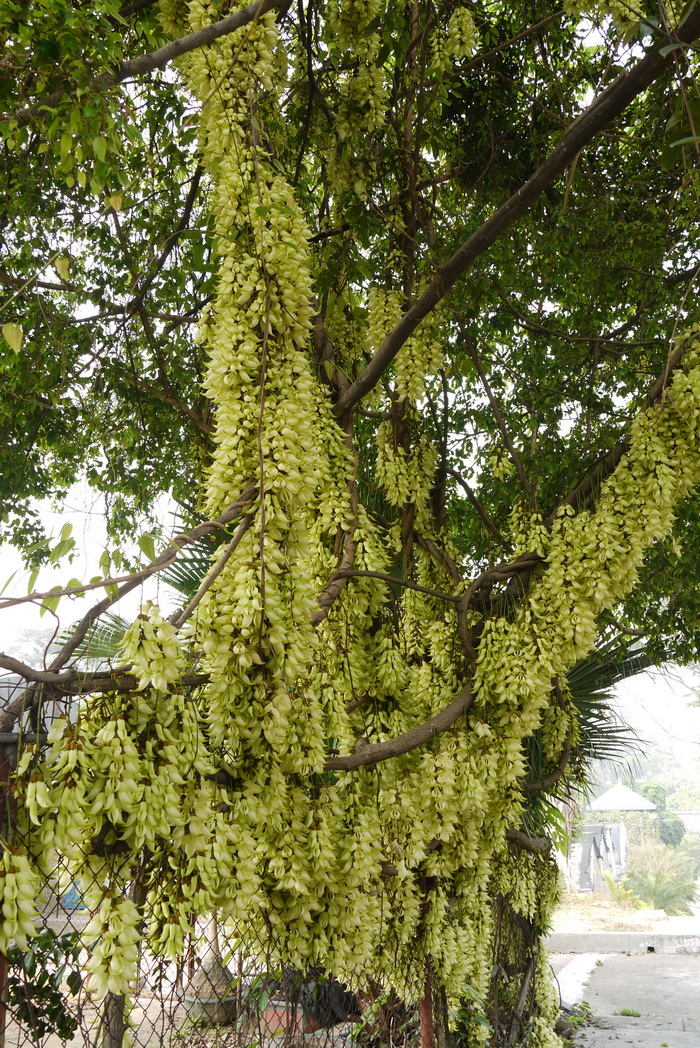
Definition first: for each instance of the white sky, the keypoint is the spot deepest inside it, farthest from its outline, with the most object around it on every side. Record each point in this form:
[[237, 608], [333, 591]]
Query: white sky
[[657, 705], [85, 513]]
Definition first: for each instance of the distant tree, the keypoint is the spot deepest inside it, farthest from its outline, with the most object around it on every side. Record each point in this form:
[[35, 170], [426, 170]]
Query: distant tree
[[671, 828]]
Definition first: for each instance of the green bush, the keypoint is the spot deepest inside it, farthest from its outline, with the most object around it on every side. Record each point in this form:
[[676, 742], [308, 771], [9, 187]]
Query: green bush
[[663, 890]]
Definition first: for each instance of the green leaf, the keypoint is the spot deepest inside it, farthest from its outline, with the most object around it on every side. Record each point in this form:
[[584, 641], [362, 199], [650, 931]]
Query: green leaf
[[74, 983], [61, 549], [50, 603], [62, 266], [7, 582], [668, 48], [13, 335], [99, 147], [685, 141], [147, 546]]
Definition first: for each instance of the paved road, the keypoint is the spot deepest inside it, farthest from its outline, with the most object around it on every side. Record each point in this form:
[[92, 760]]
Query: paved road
[[663, 988]]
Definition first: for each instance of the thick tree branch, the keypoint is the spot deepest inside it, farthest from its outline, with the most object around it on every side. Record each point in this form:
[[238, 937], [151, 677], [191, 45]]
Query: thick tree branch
[[153, 60], [338, 581], [535, 845], [373, 753], [609, 105]]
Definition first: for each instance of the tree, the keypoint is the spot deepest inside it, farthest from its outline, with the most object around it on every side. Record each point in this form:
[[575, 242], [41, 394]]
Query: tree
[[440, 430], [671, 828]]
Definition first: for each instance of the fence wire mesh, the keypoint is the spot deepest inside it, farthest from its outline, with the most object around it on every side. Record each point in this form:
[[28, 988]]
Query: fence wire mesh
[[229, 988], [221, 994]]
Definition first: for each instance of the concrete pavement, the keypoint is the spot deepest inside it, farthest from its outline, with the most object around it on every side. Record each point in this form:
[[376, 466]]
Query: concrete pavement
[[663, 988]]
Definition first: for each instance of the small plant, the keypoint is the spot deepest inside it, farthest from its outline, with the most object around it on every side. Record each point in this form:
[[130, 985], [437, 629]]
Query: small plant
[[599, 963], [622, 895], [34, 994], [628, 1011], [580, 1015]]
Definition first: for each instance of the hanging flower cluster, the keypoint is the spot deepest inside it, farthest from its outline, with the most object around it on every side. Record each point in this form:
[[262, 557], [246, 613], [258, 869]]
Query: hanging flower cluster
[[460, 41], [19, 888]]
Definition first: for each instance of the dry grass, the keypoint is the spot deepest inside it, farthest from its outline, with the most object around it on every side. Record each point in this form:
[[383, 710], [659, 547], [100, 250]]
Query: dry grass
[[590, 911]]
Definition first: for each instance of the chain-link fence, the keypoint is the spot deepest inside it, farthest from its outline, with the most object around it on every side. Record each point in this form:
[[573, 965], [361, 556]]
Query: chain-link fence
[[229, 987], [219, 995]]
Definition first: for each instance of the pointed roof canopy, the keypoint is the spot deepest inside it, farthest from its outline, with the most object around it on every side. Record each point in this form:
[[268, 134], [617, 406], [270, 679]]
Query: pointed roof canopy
[[621, 798]]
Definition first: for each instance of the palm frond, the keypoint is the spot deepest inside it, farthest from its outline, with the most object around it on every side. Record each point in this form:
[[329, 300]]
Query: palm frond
[[185, 574], [103, 642]]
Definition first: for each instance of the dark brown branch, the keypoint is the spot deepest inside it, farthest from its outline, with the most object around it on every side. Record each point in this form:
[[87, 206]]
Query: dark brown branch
[[7, 662], [76, 682], [535, 845], [602, 111], [338, 581], [153, 60], [393, 580], [373, 753]]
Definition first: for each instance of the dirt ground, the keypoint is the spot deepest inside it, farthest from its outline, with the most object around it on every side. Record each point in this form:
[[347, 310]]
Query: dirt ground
[[593, 912]]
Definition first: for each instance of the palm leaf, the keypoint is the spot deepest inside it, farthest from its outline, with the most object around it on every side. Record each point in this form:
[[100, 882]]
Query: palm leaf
[[103, 643]]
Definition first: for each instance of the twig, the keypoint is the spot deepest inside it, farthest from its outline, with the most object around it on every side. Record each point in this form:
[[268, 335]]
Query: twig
[[392, 579], [483, 515], [582, 493], [180, 617], [164, 560], [206, 528], [373, 753], [498, 415]]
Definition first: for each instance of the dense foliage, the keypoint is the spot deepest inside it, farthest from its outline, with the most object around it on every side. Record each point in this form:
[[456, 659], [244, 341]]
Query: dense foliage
[[434, 470]]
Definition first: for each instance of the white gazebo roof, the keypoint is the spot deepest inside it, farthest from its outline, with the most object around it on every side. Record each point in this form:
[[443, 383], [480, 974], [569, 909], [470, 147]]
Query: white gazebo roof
[[621, 798]]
